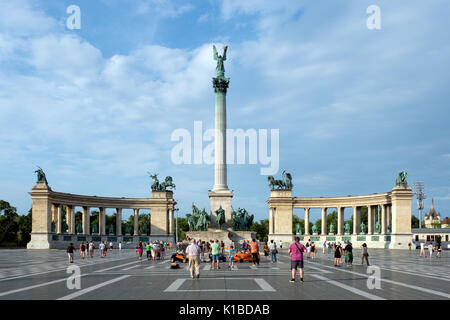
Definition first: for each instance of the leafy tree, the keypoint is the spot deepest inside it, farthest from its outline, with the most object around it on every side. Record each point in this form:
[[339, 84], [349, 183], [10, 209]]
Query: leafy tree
[[261, 229], [414, 222], [24, 232], [9, 223], [183, 227]]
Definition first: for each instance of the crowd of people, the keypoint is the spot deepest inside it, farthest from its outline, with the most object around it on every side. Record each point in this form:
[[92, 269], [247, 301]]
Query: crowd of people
[[431, 248], [155, 250]]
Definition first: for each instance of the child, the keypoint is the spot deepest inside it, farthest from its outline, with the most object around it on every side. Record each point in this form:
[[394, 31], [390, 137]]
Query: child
[[231, 259]]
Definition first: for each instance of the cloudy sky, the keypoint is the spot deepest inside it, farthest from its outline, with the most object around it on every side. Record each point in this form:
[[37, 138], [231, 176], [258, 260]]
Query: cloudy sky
[[96, 107]]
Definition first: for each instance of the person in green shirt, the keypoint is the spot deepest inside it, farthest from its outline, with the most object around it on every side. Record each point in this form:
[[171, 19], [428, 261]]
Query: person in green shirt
[[215, 249], [149, 252]]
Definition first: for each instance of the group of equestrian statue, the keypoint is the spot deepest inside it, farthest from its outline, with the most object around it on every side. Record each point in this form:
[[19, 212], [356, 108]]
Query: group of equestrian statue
[[284, 184], [157, 186], [199, 220]]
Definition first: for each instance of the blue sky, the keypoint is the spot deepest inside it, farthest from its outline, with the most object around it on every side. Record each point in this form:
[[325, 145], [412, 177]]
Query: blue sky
[[95, 107]]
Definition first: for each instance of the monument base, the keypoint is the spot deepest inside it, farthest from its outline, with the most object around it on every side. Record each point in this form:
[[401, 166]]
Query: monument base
[[218, 199], [228, 237]]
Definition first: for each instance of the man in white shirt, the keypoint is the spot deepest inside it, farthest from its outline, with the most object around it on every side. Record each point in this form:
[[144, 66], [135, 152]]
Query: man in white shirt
[[193, 253], [422, 249]]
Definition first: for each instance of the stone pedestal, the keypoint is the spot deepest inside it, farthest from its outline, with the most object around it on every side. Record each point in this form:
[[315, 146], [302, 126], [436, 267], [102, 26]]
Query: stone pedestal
[[223, 199]]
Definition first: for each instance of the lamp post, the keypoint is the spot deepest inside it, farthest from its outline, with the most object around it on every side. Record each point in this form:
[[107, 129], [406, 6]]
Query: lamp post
[[420, 195], [176, 225]]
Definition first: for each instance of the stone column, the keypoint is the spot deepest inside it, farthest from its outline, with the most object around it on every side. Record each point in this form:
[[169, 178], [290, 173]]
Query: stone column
[[71, 215], [388, 216], [118, 221], [171, 227], [340, 226], [270, 221], [324, 221], [273, 219], [306, 221], [86, 220], [102, 222], [220, 85], [58, 219], [136, 222], [383, 219], [369, 220], [356, 220]]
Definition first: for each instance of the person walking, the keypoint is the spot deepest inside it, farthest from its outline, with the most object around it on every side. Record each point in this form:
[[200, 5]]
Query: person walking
[[148, 249], [273, 251], [422, 249], [254, 249], [70, 250], [140, 249], [111, 245], [120, 246], [82, 250], [438, 249], [193, 254], [308, 250], [337, 255], [430, 249], [91, 249], [364, 254], [266, 250], [349, 254], [281, 244], [101, 247], [296, 250], [162, 251], [313, 250], [324, 247], [231, 258], [215, 250], [222, 247], [200, 245]]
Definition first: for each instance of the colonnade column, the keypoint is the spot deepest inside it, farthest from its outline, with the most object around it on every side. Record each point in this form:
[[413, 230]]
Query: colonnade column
[[324, 221], [58, 218], [171, 230], [306, 221], [118, 221], [356, 220], [369, 220], [383, 219], [136, 222], [102, 221], [86, 220], [270, 221], [388, 216], [340, 216]]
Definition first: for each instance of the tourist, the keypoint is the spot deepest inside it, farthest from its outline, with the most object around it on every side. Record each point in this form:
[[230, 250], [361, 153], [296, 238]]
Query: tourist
[[120, 246], [155, 251], [148, 249], [193, 254], [205, 247], [110, 246], [266, 250], [222, 247], [281, 244], [364, 254], [82, 250], [430, 249], [329, 247], [70, 249], [105, 250], [243, 246], [438, 249], [137, 249], [200, 245], [162, 251], [308, 250], [296, 250], [140, 250], [273, 251], [101, 247], [171, 245], [337, 255], [349, 254], [231, 258], [422, 249], [254, 250], [324, 247], [215, 249], [313, 250], [91, 249], [409, 245]]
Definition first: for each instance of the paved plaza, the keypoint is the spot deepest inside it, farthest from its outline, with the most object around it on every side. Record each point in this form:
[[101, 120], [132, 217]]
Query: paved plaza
[[35, 274]]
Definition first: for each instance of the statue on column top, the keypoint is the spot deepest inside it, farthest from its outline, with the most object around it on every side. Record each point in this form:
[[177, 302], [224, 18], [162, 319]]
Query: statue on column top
[[220, 59], [40, 175]]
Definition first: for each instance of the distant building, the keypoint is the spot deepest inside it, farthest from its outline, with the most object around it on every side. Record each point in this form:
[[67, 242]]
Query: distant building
[[432, 219], [445, 223]]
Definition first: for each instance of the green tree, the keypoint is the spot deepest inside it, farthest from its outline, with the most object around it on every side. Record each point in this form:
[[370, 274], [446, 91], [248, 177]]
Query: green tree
[[24, 232], [9, 223], [414, 222], [183, 227], [261, 229]]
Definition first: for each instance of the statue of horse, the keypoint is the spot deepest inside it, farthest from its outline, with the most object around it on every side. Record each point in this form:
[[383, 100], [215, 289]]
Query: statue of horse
[[155, 186], [273, 183], [167, 183], [220, 214]]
